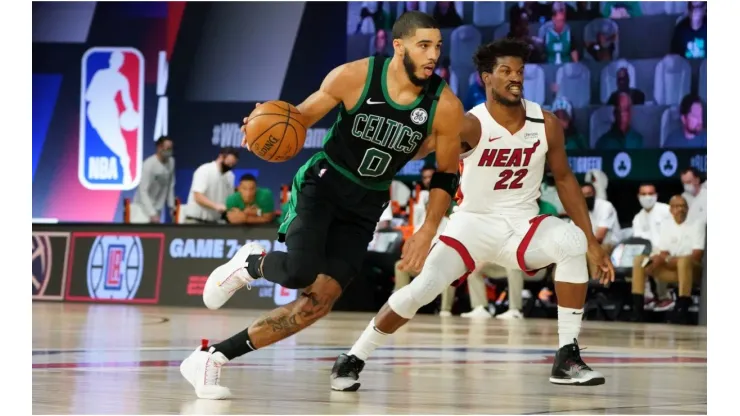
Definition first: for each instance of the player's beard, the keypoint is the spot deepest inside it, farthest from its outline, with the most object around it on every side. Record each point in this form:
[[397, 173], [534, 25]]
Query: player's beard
[[505, 101], [410, 68]]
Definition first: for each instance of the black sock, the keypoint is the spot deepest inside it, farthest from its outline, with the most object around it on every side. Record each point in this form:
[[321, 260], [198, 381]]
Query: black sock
[[253, 265], [235, 346]]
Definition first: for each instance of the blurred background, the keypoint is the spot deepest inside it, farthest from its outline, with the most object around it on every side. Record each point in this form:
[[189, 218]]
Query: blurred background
[[132, 100]]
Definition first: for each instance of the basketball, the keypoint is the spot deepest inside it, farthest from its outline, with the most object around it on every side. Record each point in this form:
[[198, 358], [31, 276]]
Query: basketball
[[129, 120], [276, 131]]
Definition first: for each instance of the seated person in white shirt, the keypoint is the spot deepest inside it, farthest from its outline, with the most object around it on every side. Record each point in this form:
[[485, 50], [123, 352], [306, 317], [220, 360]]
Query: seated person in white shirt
[[212, 183], [647, 224], [604, 220], [681, 247]]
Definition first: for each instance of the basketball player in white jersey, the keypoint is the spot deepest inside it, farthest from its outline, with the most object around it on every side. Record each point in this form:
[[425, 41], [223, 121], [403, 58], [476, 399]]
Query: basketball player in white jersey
[[508, 141]]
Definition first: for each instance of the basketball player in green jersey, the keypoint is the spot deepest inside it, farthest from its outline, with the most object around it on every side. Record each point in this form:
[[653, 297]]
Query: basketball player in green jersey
[[390, 110]]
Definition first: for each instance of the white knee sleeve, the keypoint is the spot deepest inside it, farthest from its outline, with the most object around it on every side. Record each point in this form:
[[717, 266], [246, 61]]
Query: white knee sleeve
[[442, 267], [571, 246]]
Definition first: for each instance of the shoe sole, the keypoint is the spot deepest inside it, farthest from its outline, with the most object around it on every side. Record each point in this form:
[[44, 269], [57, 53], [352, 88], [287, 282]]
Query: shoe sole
[[353, 387], [596, 381]]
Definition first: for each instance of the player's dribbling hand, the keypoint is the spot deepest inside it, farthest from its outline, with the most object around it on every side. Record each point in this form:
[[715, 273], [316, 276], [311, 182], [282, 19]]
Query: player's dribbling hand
[[244, 129], [415, 251], [604, 268]]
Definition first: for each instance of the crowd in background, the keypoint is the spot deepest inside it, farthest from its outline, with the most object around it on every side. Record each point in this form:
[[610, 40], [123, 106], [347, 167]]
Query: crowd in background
[[662, 246]]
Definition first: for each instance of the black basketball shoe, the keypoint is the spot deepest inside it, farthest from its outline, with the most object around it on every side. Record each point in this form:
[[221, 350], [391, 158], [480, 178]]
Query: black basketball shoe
[[569, 368], [346, 372]]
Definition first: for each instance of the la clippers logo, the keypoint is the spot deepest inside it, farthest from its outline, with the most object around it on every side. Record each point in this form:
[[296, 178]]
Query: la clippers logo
[[114, 267], [111, 119]]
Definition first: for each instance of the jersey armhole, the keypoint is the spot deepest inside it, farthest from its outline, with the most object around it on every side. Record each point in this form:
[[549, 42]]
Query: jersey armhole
[[368, 80], [433, 108]]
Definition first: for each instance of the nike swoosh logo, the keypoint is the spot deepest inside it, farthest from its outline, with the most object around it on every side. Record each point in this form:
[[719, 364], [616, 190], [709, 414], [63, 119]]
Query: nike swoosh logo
[[371, 102], [490, 139]]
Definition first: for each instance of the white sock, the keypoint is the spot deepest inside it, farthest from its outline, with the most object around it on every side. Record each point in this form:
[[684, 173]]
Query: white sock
[[370, 339], [569, 324]]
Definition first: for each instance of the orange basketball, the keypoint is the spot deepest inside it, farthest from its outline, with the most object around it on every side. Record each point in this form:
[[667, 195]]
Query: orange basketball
[[276, 131]]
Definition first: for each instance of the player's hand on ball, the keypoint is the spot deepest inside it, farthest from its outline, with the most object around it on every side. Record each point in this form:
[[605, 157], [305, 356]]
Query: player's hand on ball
[[244, 129], [415, 251], [604, 268]]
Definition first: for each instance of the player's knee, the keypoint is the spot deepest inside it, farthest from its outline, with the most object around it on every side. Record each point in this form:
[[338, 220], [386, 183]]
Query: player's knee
[[571, 241], [302, 270], [571, 246]]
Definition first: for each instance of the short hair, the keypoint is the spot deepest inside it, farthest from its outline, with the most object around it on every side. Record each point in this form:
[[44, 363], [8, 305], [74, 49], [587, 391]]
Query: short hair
[[428, 167], [407, 24], [687, 102], [229, 151], [161, 140], [693, 170], [647, 184], [248, 177], [486, 57], [589, 185]]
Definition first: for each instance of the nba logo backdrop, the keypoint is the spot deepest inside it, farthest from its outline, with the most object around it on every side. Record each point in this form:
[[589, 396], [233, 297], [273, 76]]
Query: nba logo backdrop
[[111, 118]]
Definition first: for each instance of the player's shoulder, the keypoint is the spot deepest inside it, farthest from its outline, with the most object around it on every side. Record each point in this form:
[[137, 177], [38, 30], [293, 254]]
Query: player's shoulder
[[354, 70], [449, 104]]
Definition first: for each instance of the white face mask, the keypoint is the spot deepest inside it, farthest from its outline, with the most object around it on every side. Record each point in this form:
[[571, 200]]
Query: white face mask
[[648, 201], [689, 188]]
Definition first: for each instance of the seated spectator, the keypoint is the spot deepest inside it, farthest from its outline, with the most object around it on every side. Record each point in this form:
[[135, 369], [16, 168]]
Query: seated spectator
[[692, 133], [603, 49], [563, 109], [250, 204], [647, 224], [623, 86], [381, 18], [381, 42], [366, 25], [621, 135], [476, 290], [691, 179], [476, 94], [446, 15], [681, 247], [536, 11], [558, 40], [698, 209], [519, 29], [690, 34], [157, 185], [586, 10], [604, 220], [622, 9], [378, 257], [212, 183], [409, 6]]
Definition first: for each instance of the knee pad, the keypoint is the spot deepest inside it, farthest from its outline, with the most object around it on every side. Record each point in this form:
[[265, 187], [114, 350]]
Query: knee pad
[[571, 245]]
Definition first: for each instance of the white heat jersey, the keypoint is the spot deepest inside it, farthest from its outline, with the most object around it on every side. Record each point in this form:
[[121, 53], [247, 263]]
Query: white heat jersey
[[504, 172]]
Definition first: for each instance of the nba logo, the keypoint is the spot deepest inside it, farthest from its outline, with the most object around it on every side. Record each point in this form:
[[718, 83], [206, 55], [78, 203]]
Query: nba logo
[[111, 118], [113, 278]]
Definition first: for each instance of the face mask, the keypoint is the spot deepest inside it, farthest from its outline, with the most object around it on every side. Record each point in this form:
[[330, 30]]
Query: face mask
[[648, 201], [166, 154], [226, 168], [689, 188], [590, 201]]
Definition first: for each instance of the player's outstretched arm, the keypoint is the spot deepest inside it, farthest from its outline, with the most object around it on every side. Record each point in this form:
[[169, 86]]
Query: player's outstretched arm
[[570, 193], [446, 130]]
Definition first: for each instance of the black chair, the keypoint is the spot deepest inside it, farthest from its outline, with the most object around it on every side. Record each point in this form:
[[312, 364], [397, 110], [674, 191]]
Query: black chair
[[607, 302]]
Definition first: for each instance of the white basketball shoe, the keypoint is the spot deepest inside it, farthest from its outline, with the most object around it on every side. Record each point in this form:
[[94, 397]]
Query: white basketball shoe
[[202, 369], [230, 277]]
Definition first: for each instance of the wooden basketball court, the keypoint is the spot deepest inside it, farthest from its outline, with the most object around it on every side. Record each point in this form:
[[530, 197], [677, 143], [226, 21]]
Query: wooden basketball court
[[111, 359]]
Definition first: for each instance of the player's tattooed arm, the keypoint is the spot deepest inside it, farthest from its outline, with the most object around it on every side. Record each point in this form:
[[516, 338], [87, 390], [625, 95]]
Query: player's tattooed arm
[[343, 84], [567, 185]]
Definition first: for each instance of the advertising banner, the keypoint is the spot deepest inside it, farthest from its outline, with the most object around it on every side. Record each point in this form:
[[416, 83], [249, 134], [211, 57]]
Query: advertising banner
[[192, 253], [115, 266], [49, 264], [145, 264]]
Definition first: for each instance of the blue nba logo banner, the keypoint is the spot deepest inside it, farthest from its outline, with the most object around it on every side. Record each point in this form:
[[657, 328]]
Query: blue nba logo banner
[[111, 118]]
